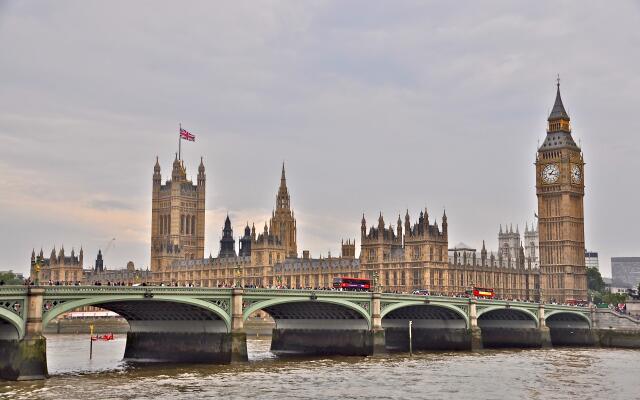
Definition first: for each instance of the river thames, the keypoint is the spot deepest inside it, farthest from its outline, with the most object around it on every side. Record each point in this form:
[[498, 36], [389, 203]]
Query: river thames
[[490, 374]]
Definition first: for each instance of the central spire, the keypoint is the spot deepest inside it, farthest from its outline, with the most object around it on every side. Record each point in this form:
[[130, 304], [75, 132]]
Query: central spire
[[283, 179], [558, 112], [558, 120], [283, 199]]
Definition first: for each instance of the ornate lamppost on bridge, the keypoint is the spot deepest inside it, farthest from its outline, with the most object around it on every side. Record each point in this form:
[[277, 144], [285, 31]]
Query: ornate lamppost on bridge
[[238, 271], [37, 269]]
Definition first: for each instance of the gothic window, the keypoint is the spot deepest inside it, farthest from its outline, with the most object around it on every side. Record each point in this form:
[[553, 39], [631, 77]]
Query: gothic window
[[416, 277], [181, 223], [431, 253], [188, 224], [193, 224]]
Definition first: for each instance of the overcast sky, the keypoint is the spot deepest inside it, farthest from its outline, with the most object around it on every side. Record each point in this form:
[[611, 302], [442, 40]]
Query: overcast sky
[[374, 106]]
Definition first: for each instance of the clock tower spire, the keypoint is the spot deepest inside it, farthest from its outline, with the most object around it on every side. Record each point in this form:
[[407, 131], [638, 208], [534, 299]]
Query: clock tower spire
[[560, 191]]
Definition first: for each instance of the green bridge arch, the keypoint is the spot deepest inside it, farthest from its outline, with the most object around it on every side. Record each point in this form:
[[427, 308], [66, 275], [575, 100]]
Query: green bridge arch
[[577, 313], [392, 307], [100, 299], [261, 304], [521, 309], [15, 320]]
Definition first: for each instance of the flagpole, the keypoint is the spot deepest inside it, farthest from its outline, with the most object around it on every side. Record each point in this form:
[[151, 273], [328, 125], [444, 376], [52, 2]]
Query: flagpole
[[180, 141]]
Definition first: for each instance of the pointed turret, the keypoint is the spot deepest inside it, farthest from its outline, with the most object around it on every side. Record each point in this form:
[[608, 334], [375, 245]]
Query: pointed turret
[[227, 243], [559, 126], [445, 224], [381, 223], [363, 227], [282, 198], [202, 177], [558, 112], [399, 228], [483, 254], [157, 178]]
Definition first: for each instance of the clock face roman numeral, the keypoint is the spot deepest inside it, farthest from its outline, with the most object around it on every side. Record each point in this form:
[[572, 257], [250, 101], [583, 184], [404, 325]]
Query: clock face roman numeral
[[576, 174], [550, 173]]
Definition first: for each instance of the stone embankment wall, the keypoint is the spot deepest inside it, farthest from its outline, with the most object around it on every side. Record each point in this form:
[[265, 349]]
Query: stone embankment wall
[[100, 325], [616, 330], [607, 319]]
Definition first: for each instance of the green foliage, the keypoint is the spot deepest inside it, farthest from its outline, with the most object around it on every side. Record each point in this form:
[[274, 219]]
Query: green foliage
[[614, 298], [596, 297], [594, 280], [9, 278]]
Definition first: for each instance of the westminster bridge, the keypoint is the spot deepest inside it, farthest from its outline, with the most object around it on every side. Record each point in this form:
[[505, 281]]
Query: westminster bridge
[[206, 325]]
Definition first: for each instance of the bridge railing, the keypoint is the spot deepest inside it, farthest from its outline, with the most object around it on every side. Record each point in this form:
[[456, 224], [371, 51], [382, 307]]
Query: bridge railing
[[89, 290], [305, 292], [13, 290]]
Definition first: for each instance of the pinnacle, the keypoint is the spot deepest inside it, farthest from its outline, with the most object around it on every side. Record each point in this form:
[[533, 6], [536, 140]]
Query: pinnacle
[[558, 111]]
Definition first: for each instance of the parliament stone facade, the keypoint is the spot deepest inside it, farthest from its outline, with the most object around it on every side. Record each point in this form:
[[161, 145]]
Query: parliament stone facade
[[546, 263]]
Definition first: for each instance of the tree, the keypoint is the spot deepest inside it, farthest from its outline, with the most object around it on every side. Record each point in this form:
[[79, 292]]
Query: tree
[[614, 298], [594, 280], [9, 278]]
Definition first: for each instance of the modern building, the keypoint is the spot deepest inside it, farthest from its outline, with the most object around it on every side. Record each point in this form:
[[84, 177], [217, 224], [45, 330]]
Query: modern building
[[560, 190], [625, 272], [591, 260]]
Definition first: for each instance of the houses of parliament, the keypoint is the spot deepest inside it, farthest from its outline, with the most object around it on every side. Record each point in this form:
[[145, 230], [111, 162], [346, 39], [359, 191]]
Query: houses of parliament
[[414, 253]]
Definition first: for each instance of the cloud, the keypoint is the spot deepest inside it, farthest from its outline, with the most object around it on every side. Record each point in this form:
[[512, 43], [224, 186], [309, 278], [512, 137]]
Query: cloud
[[374, 108]]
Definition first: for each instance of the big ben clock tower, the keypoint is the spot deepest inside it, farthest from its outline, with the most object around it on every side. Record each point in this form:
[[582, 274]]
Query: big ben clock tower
[[560, 191]]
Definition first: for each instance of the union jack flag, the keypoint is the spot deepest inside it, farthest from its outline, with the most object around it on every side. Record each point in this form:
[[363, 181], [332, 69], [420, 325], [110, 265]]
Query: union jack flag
[[186, 135]]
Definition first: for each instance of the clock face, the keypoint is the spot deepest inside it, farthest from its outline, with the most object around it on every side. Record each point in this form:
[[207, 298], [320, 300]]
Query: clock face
[[576, 174], [550, 173]]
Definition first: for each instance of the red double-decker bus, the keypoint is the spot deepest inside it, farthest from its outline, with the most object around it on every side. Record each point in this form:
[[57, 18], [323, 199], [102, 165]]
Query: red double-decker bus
[[481, 292], [346, 283]]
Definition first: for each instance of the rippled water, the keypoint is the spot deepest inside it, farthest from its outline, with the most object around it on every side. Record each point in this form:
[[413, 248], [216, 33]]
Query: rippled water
[[502, 374]]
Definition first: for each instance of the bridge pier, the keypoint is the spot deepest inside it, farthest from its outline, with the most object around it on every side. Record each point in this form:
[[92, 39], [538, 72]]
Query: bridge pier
[[476, 332], [238, 335], [26, 358], [545, 332], [379, 343]]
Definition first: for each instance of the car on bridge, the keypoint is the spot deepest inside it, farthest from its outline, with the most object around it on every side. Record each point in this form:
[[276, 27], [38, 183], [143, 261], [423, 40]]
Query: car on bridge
[[421, 292]]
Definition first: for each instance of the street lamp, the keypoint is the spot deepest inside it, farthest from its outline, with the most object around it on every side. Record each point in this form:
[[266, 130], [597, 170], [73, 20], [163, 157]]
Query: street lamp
[[238, 276], [37, 269]]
